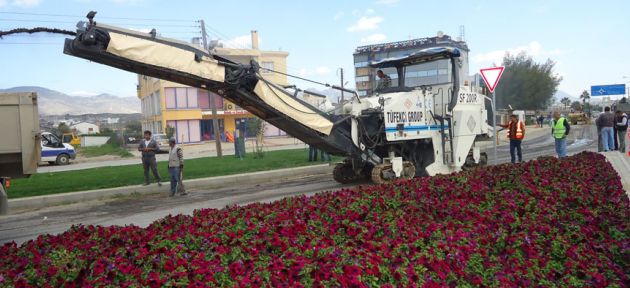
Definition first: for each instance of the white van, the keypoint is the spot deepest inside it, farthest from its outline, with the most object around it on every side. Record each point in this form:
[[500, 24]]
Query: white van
[[56, 152]]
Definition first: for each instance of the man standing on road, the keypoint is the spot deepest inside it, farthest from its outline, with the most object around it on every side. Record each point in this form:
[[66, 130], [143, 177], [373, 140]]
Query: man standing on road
[[622, 127], [149, 147], [559, 130], [606, 121], [384, 80], [175, 166], [516, 133]]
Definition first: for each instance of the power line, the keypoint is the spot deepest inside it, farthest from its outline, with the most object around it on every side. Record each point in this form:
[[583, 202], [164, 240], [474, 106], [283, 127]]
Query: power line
[[104, 17], [30, 43], [242, 46], [113, 23]]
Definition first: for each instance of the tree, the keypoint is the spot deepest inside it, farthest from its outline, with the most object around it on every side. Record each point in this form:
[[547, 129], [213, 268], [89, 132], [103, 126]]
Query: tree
[[134, 127], [525, 84], [256, 126], [576, 106], [585, 96], [170, 131], [62, 129], [586, 106], [566, 101]]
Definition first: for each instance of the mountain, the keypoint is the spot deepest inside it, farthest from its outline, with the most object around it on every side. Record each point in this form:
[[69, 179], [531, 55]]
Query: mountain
[[561, 94], [51, 102]]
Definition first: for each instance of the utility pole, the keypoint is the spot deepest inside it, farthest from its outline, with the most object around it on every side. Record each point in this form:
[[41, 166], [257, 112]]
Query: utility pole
[[213, 106], [341, 84]]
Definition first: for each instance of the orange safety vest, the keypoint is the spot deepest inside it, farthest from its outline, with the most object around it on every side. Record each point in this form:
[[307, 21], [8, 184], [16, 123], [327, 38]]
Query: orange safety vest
[[517, 132]]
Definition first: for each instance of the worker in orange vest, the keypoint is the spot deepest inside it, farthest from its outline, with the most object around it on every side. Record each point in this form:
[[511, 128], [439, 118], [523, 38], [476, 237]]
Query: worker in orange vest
[[516, 133]]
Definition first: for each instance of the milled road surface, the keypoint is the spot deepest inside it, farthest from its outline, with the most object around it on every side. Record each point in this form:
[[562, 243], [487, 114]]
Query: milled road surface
[[143, 210]]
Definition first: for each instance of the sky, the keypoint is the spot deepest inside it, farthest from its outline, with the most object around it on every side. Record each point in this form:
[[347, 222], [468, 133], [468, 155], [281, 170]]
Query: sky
[[587, 40]]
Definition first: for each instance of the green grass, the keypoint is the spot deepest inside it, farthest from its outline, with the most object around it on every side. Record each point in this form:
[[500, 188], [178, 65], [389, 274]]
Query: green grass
[[108, 177], [106, 149]]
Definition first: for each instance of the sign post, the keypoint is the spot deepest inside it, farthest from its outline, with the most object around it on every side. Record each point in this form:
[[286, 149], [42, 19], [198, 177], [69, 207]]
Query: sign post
[[491, 76]]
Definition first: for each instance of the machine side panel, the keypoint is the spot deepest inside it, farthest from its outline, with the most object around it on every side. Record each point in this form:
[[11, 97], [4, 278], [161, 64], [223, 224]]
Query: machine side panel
[[408, 116]]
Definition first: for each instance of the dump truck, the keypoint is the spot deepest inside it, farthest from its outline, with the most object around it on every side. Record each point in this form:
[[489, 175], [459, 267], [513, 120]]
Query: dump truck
[[20, 144]]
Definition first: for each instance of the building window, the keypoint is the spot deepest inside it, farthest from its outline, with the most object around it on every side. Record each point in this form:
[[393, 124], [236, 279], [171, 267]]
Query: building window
[[186, 131], [267, 65], [363, 78], [360, 64], [181, 98], [156, 102], [362, 92]]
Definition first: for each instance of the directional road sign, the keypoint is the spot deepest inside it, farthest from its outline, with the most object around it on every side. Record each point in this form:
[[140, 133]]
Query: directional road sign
[[602, 90]]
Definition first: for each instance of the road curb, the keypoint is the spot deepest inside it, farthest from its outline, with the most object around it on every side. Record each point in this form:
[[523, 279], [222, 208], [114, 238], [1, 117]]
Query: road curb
[[621, 163], [38, 202]]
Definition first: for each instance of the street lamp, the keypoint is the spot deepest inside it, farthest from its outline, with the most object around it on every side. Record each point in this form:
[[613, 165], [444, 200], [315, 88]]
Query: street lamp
[[627, 88]]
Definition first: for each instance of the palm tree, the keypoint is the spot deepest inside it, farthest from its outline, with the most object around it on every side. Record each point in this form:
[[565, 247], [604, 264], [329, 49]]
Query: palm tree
[[566, 101], [585, 96]]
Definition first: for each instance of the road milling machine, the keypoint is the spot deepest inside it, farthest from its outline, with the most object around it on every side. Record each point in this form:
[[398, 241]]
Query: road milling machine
[[398, 132]]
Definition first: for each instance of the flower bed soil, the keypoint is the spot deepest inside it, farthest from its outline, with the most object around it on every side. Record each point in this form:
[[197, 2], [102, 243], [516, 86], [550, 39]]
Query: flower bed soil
[[547, 222]]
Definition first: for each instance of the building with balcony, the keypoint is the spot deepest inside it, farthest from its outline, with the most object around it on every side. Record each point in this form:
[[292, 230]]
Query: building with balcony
[[416, 75], [188, 110]]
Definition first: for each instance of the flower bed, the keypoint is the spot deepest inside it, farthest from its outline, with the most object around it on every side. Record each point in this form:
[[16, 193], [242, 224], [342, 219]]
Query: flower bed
[[547, 222]]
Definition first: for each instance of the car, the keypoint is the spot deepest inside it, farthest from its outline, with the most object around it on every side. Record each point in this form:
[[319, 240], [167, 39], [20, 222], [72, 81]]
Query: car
[[56, 152], [161, 139]]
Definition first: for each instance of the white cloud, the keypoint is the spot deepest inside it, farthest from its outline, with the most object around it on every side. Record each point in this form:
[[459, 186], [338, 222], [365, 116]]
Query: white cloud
[[304, 72], [123, 2], [322, 70], [533, 49], [2, 3], [387, 2], [25, 3], [240, 42], [369, 11], [339, 15], [131, 2], [366, 23], [374, 38]]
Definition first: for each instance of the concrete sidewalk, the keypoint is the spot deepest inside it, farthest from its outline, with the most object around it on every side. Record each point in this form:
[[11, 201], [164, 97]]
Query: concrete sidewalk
[[29, 203], [621, 163]]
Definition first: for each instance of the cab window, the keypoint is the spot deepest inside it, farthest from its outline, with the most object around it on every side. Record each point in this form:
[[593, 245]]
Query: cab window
[[50, 140]]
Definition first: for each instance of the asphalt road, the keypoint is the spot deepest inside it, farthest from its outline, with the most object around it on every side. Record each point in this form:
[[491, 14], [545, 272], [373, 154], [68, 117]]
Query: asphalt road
[[142, 210]]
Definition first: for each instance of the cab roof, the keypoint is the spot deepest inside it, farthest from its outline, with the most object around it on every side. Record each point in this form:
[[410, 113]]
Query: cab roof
[[421, 56]]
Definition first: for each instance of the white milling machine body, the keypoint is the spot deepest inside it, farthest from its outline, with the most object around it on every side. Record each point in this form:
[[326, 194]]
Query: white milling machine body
[[399, 132], [423, 130]]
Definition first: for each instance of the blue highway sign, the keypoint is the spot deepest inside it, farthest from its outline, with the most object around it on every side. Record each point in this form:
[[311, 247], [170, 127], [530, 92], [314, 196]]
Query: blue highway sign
[[603, 90]]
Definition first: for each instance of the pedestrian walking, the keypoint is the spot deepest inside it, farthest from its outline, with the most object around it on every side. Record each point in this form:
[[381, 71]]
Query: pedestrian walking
[[622, 128], [606, 121], [516, 133], [560, 130], [176, 167], [148, 147]]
